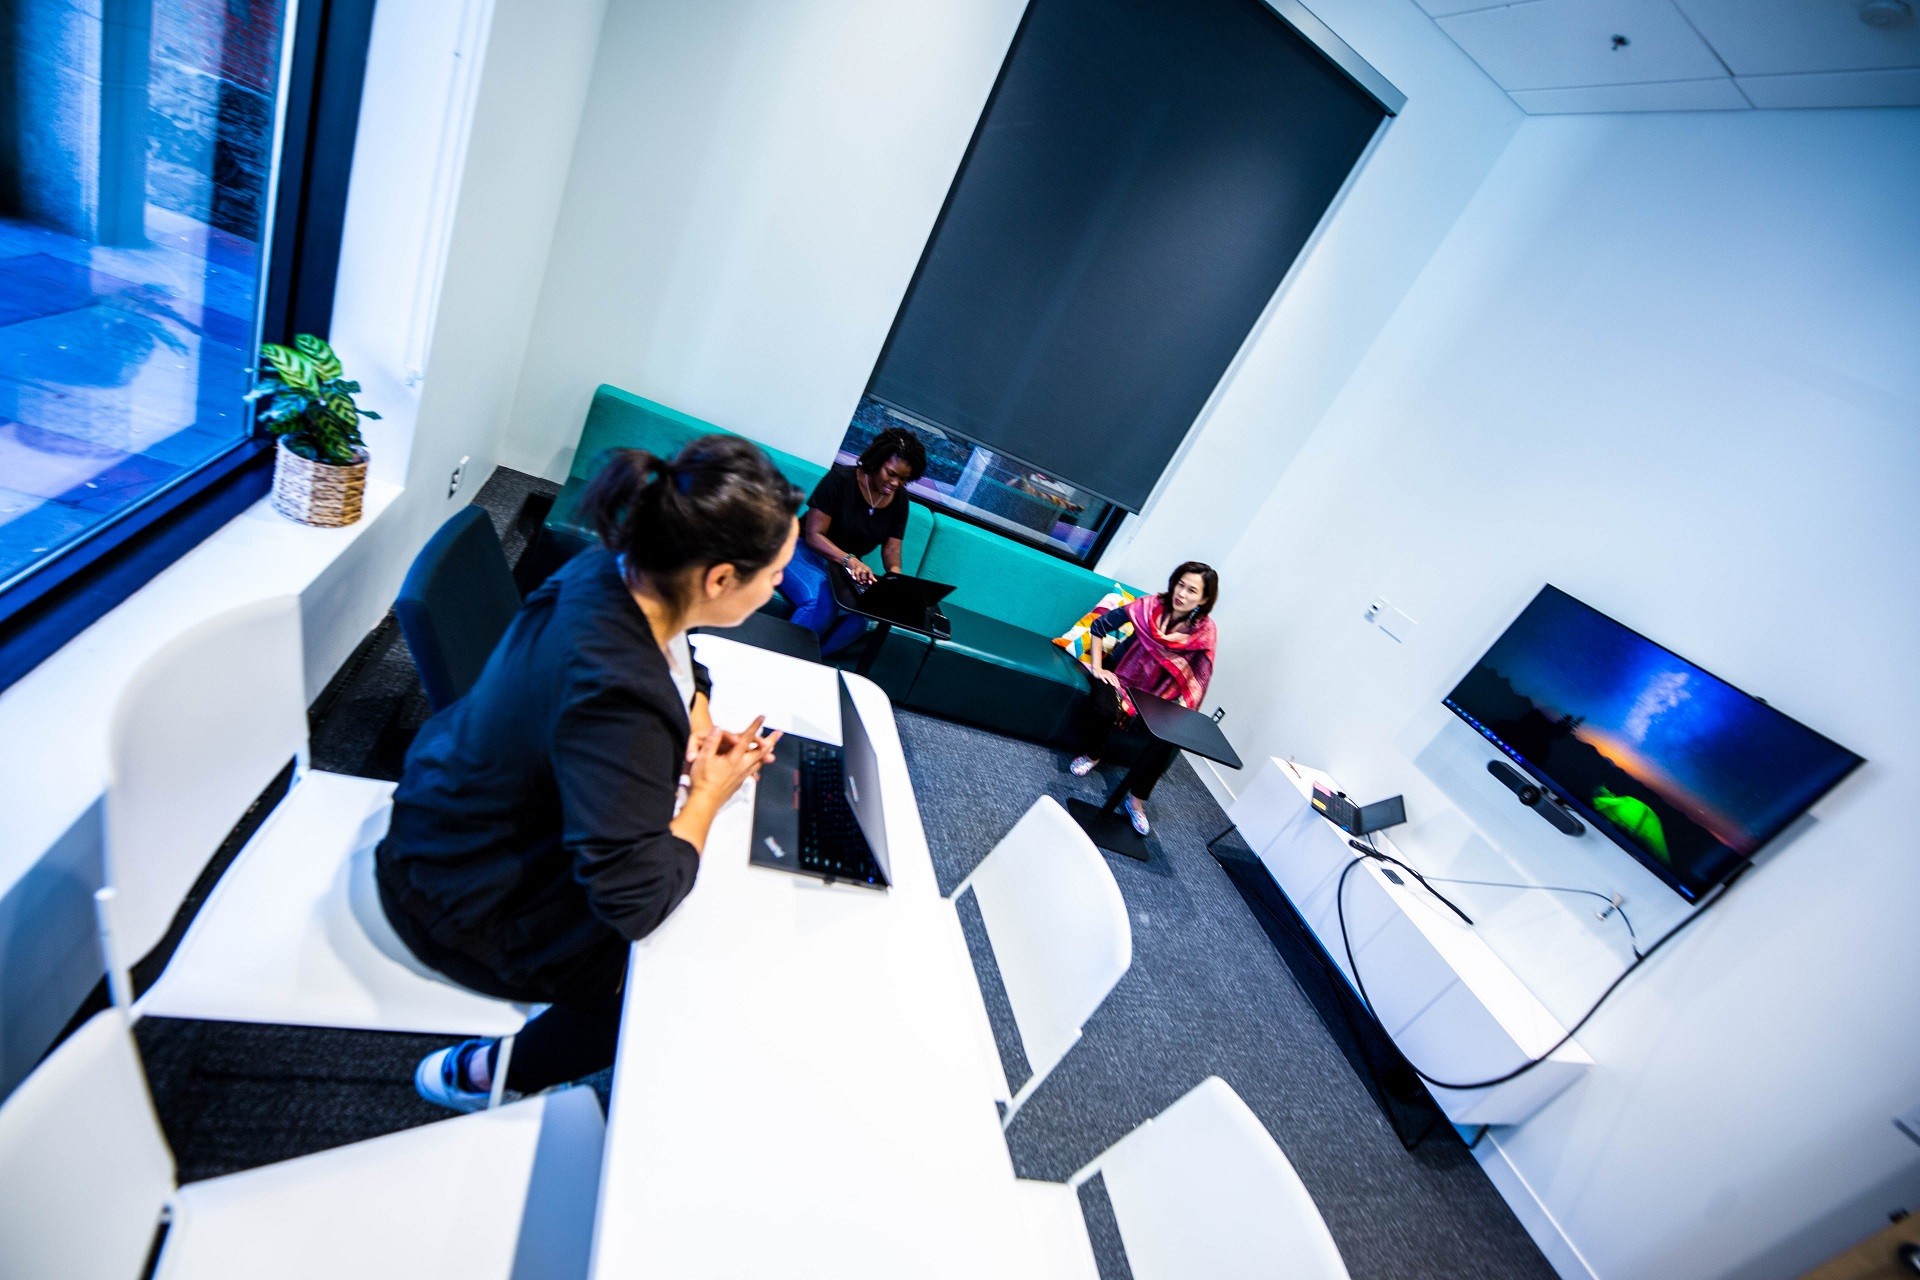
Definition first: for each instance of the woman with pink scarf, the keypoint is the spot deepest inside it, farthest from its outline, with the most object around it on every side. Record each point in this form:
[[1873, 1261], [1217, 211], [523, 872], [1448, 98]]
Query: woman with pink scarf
[[1170, 656]]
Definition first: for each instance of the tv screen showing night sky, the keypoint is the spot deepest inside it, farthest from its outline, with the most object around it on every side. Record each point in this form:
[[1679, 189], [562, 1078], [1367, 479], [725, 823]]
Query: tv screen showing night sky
[[1676, 766]]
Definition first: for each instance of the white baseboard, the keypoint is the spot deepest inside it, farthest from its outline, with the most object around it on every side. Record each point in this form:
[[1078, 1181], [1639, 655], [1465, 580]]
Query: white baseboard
[[1513, 1187], [1209, 775]]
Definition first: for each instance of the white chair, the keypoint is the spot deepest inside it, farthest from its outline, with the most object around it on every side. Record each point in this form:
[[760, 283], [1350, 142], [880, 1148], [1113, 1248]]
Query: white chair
[[293, 931], [503, 1193], [1059, 931], [1200, 1192]]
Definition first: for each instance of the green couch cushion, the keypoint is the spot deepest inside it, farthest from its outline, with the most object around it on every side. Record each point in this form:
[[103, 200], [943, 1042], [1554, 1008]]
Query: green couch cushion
[[913, 547], [981, 638], [994, 674], [1008, 581], [621, 420]]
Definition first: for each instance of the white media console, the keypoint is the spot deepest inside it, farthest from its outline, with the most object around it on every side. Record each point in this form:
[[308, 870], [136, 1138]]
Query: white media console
[[1451, 1005]]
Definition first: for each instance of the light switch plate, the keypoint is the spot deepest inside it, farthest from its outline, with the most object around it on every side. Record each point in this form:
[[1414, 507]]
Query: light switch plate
[[1397, 625]]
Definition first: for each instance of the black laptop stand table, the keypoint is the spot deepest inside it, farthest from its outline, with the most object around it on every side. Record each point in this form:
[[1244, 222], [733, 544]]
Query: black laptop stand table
[[922, 621], [1171, 727]]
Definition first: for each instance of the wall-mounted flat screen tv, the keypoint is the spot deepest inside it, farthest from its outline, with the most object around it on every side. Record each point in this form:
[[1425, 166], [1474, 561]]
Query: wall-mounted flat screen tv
[[1671, 763]]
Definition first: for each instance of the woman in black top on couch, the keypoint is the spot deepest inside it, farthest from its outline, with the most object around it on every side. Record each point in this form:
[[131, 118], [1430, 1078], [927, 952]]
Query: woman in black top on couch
[[852, 511], [557, 812]]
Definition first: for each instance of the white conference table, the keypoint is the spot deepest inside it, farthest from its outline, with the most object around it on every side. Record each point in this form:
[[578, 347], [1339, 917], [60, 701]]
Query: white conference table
[[800, 1087]]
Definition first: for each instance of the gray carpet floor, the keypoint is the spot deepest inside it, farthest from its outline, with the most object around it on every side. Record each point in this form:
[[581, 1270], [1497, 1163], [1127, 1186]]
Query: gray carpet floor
[[1209, 993]]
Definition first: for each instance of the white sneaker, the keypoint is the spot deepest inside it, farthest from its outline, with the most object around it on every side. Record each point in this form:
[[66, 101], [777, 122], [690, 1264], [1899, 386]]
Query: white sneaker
[[1137, 814], [437, 1078], [1082, 766]]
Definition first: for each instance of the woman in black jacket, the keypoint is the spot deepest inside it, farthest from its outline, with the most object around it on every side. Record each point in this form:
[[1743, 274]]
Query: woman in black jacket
[[557, 812]]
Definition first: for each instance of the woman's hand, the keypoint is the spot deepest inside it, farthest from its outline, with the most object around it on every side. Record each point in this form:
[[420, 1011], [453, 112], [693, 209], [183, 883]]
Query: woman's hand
[[721, 761], [861, 574], [1107, 677], [718, 762]]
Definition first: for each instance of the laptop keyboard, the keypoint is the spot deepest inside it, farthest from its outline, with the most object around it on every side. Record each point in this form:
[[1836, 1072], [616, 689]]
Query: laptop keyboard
[[830, 840]]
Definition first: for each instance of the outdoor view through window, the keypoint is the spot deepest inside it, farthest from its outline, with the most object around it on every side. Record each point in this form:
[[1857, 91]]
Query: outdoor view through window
[[136, 141], [988, 486]]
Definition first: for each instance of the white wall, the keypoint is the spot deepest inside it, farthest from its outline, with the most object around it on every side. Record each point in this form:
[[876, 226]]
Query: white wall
[[1668, 363], [753, 185], [486, 223], [1394, 213]]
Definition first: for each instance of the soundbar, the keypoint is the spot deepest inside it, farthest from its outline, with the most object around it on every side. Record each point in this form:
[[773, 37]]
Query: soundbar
[[1536, 798]]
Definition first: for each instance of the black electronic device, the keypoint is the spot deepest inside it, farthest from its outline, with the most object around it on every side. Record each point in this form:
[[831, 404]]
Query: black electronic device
[[816, 807], [1670, 762], [902, 596], [1538, 799], [1358, 819]]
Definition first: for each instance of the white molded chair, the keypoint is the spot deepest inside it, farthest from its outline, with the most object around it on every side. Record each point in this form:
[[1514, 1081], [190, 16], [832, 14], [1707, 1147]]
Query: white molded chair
[[1059, 931], [293, 931], [1200, 1192], [503, 1193]]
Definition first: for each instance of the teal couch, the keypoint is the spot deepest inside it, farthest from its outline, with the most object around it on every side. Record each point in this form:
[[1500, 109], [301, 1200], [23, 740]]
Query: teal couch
[[1000, 670]]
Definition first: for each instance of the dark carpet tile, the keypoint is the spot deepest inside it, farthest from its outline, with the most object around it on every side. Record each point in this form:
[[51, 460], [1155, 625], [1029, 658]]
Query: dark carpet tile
[[1103, 1229], [518, 503], [1013, 1058], [234, 1096]]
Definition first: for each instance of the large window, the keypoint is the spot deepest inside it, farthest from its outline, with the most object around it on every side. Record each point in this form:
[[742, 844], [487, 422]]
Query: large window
[[990, 488], [136, 149]]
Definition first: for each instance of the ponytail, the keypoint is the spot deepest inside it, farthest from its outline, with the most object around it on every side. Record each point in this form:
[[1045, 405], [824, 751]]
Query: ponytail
[[720, 500]]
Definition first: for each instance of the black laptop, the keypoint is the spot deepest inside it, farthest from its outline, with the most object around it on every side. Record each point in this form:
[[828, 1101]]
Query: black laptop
[[816, 810], [904, 601]]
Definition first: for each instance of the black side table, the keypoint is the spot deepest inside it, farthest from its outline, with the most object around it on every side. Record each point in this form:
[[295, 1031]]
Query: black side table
[[1172, 727]]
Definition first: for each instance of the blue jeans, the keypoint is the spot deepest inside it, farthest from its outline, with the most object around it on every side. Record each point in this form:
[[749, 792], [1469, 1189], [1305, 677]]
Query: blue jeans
[[806, 585]]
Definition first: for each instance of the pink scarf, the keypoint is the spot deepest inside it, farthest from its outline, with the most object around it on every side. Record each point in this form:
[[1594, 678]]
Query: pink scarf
[[1175, 666]]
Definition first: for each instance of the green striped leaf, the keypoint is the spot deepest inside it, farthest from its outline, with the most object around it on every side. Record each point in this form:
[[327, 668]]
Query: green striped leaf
[[325, 362], [294, 369], [342, 410]]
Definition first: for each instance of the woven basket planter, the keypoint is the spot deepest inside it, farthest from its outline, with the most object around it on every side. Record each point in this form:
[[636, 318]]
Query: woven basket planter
[[316, 493]]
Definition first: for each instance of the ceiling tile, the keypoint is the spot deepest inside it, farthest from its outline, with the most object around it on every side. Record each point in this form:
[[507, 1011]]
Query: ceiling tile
[[1441, 8], [1551, 44], [1672, 95], [1770, 37], [1835, 89]]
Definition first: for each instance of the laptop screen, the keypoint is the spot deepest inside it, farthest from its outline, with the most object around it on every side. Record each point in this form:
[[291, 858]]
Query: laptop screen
[[863, 779]]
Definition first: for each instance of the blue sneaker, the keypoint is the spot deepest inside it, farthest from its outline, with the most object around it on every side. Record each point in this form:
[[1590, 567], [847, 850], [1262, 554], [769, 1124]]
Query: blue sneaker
[[1137, 814], [441, 1077]]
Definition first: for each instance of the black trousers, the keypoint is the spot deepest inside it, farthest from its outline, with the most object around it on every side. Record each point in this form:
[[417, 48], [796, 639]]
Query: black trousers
[[580, 1028], [571, 1039], [1106, 729]]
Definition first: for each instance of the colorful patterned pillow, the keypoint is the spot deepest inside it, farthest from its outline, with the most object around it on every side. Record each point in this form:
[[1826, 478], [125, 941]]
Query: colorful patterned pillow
[[1079, 638]]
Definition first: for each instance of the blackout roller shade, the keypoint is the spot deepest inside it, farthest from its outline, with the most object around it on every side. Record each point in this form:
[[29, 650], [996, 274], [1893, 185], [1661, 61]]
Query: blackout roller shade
[[1143, 177]]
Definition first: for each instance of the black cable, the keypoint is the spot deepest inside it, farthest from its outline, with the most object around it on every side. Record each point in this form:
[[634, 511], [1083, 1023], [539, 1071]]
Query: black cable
[[1613, 903], [1340, 908], [1372, 852]]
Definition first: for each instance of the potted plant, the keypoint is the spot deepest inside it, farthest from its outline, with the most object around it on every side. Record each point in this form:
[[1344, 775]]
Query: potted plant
[[320, 464]]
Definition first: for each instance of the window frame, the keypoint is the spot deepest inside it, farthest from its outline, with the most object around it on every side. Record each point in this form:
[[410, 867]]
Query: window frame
[[319, 114], [1103, 537]]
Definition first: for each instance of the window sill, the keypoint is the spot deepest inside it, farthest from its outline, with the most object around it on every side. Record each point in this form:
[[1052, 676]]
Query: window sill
[[54, 720]]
